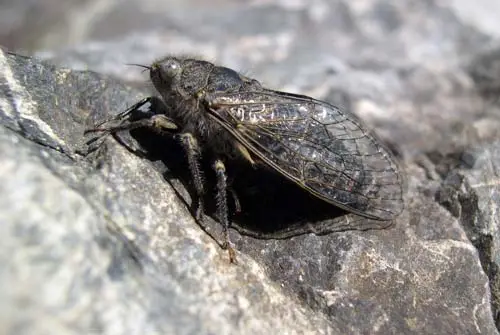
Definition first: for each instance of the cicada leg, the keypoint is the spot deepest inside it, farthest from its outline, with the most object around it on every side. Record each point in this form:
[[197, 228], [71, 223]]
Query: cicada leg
[[128, 120], [222, 210], [159, 121], [192, 149]]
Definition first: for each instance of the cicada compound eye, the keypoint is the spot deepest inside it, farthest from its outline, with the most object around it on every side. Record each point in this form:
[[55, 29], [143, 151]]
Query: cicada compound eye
[[170, 68]]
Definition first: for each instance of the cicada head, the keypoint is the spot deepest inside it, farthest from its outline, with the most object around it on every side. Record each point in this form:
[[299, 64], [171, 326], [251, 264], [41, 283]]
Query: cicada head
[[165, 72]]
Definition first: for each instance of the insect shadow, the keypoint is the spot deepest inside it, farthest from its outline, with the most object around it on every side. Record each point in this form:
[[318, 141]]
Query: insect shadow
[[271, 206]]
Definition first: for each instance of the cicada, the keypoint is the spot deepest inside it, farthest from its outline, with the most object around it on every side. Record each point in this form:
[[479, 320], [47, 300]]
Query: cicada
[[219, 113]]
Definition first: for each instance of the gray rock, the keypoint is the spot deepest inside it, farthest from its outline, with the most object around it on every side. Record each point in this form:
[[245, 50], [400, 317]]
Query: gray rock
[[471, 193], [111, 250], [101, 246], [407, 69]]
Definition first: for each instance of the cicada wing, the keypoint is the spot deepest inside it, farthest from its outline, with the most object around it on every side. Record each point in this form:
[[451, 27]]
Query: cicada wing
[[326, 151]]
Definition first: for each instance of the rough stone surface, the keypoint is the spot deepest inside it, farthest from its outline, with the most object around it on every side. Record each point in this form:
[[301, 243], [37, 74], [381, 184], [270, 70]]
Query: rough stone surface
[[106, 243], [114, 250], [471, 193]]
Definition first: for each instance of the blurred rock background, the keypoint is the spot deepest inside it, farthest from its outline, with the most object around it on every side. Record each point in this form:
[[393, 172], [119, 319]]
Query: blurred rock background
[[424, 74]]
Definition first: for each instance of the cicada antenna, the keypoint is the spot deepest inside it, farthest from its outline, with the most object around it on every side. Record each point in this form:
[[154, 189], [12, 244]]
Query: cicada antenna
[[140, 65]]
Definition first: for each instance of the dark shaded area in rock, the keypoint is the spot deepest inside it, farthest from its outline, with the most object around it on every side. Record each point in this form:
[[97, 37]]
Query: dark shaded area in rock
[[485, 70]]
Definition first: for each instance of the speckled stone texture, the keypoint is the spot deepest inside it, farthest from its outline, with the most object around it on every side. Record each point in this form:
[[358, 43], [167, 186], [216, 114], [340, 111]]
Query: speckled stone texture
[[106, 244]]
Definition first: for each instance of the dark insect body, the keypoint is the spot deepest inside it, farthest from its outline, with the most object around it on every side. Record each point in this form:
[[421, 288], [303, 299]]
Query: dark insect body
[[218, 112]]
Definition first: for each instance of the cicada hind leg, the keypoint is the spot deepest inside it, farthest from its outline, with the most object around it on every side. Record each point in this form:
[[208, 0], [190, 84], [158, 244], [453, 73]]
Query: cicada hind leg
[[222, 208]]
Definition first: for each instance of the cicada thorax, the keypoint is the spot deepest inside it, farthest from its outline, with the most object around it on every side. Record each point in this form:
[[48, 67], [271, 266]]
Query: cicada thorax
[[188, 105]]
